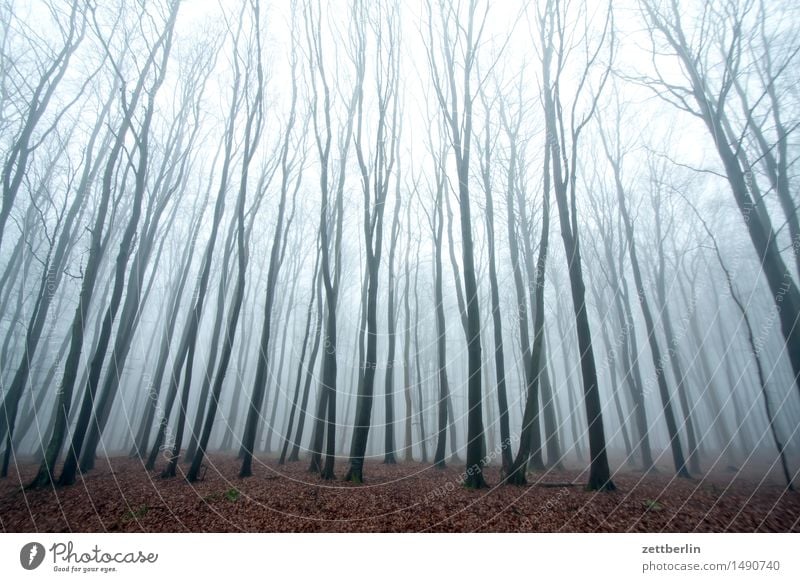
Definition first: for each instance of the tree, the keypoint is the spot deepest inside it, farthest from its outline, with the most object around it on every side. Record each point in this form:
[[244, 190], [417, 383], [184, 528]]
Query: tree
[[497, 321], [330, 228], [253, 131], [663, 226], [287, 162], [564, 160], [50, 282], [169, 183], [184, 358], [612, 266], [164, 44], [614, 156], [708, 82], [376, 168], [53, 68], [754, 350], [391, 325], [459, 123]]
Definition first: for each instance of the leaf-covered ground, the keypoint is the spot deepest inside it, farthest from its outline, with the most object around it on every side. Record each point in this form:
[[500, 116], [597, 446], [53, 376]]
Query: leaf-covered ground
[[121, 496]]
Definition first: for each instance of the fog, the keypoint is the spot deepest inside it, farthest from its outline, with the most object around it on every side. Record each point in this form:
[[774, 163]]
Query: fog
[[531, 235]]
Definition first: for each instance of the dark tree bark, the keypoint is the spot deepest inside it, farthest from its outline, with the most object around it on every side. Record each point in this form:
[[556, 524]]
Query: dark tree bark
[[391, 326], [460, 128], [164, 43], [564, 159], [275, 262], [330, 233], [497, 320], [300, 367], [49, 284], [170, 183], [17, 158], [252, 134], [376, 167], [710, 105], [655, 350]]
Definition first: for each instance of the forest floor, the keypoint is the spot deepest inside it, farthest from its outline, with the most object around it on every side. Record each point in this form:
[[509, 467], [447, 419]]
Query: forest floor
[[119, 495]]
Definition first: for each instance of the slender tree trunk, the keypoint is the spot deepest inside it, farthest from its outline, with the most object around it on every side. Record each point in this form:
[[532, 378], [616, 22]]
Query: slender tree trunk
[[151, 404], [497, 320], [47, 290], [408, 453], [309, 375], [552, 441], [252, 134], [279, 374], [391, 323], [655, 349], [611, 360], [441, 331], [630, 351], [423, 443], [521, 311], [16, 160], [530, 435], [300, 368]]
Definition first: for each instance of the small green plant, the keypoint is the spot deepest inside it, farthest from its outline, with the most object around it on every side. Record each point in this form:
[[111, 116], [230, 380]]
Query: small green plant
[[232, 494], [652, 505], [134, 514]]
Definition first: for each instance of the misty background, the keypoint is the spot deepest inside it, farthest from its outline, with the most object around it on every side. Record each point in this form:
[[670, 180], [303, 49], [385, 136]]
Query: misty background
[[533, 234]]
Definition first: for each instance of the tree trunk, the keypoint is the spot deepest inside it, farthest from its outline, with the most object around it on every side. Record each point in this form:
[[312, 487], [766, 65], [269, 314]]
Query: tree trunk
[[655, 349]]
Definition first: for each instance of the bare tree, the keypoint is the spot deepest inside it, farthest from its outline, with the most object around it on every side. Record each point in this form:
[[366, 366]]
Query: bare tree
[[456, 109], [288, 161], [615, 156], [52, 67], [564, 160], [330, 227], [711, 68], [376, 167], [486, 162]]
